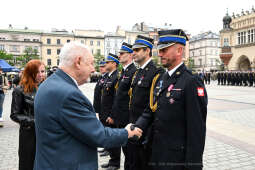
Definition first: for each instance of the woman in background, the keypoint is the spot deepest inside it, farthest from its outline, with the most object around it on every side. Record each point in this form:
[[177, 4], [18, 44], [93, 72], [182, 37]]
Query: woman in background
[[22, 111]]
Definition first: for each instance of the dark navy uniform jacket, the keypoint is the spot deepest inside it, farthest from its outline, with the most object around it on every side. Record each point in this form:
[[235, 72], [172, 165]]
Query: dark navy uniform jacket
[[121, 100], [179, 121], [98, 94], [108, 94], [141, 90]]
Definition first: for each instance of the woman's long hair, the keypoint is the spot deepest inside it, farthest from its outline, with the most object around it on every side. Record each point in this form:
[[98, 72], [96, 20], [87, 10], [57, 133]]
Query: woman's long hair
[[28, 79]]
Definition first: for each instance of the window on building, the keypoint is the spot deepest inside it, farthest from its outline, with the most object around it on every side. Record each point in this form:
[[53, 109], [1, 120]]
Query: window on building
[[36, 48], [36, 40], [48, 41], [57, 61], [49, 62], [129, 41], [211, 61], [225, 43], [68, 41], [252, 36], [249, 36], [244, 37], [1, 47], [58, 51], [92, 51], [98, 43], [98, 51], [91, 43], [15, 48], [26, 39], [82, 41], [200, 62], [49, 51], [239, 38], [200, 52], [193, 54], [108, 43], [58, 41]]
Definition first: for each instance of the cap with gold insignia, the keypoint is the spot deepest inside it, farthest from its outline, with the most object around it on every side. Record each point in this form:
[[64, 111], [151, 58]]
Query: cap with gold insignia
[[126, 48], [112, 57], [102, 63], [142, 41], [168, 38]]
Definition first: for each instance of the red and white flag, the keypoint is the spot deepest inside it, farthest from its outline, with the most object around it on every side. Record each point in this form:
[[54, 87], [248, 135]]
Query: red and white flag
[[200, 91]]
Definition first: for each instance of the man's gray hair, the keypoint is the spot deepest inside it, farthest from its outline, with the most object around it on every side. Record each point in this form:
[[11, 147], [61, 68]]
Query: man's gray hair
[[71, 50]]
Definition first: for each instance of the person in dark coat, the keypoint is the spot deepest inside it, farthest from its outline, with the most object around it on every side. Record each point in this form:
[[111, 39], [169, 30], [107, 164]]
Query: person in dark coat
[[98, 96], [106, 115], [98, 87], [22, 112], [121, 100], [139, 151], [177, 110], [218, 77]]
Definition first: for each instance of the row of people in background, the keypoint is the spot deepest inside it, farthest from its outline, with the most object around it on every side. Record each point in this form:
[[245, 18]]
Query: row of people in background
[[205, 76], [175, 102], [236, 78]]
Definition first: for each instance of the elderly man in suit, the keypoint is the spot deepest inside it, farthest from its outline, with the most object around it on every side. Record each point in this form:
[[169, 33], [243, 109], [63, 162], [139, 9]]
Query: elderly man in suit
[[67, 130]]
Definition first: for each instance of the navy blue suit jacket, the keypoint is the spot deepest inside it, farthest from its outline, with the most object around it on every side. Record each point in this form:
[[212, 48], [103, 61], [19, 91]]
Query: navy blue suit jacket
[[67, 130]]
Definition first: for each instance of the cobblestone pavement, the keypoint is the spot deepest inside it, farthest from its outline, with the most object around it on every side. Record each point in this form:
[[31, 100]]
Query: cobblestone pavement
[[230, 142]]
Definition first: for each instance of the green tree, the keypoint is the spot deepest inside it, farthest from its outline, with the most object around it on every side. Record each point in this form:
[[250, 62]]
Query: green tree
[[8, 57], [190, 63], [29, 54], [98, 58]]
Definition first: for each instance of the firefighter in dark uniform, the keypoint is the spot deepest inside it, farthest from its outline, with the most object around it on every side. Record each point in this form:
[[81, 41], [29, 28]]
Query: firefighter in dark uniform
[[108, 94], [139, 98], [224, 78], [228, 78], [97, 95], [253, 77], [250, 80], [177, 109], [98, 87], [221, 77], [121, 100], [218, 77]]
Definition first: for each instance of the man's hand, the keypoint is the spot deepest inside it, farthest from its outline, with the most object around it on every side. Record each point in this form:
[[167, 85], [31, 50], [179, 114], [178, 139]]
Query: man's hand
[[133, 132], [110, 121]]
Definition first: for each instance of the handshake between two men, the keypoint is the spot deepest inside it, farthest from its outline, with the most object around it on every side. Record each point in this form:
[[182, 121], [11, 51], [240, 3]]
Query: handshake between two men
[[133, 132]]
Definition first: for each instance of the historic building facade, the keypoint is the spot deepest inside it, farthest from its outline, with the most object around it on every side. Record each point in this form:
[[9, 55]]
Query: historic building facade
[[237, 39], [16, 41], [113, 42], [204, 51]]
